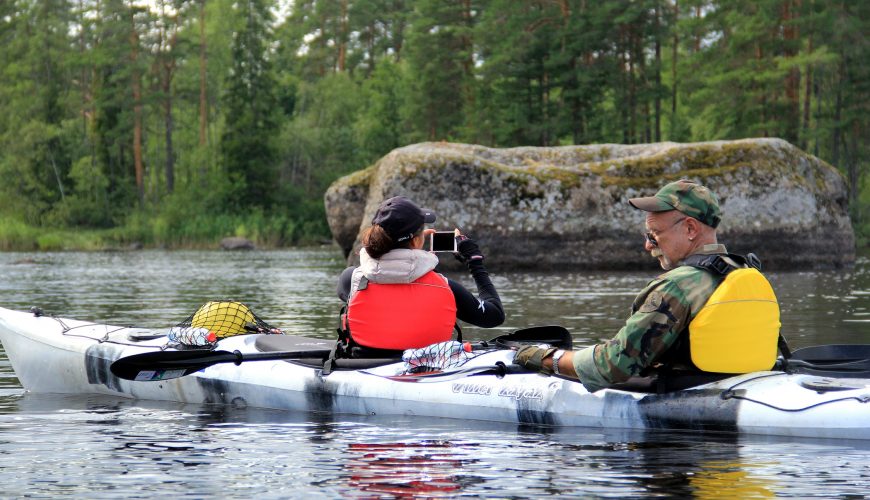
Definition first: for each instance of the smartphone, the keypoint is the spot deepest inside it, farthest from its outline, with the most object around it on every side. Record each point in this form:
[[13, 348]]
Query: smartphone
[[442, 241]]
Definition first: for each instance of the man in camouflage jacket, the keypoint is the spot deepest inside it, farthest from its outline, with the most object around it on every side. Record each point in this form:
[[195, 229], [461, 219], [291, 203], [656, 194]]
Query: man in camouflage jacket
[[681, 221]]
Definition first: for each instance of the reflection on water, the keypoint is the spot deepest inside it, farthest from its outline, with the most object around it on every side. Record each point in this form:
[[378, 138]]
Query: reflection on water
[[406, 470], [86, 446], [101, 446]]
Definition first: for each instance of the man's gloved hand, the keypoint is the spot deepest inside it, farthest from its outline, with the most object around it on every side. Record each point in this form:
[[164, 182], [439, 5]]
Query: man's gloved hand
[[532, 357], [467, 249]]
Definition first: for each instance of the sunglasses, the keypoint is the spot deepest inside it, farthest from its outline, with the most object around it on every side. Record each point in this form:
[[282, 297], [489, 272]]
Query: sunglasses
[[651, 238]]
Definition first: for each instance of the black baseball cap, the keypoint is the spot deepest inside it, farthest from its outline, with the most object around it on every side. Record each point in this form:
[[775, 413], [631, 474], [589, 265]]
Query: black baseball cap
[[401, 218]]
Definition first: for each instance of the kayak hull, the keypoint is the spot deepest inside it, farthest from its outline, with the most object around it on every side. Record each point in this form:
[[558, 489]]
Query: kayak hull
[[58, 355]]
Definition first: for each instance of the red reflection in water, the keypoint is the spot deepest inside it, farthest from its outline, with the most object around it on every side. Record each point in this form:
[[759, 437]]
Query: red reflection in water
[[404, 470]]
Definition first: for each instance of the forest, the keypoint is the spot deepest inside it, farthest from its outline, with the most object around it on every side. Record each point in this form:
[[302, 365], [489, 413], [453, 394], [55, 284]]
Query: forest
[[174, 123]]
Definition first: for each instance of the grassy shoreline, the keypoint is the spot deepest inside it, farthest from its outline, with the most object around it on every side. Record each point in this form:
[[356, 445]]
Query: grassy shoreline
[[16, 236]]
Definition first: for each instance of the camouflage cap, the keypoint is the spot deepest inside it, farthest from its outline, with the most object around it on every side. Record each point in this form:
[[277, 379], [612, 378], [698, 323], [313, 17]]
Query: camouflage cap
[[688, 197]]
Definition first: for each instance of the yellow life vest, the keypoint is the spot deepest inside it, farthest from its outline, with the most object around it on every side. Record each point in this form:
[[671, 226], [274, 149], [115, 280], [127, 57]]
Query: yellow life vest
[[737, 329]]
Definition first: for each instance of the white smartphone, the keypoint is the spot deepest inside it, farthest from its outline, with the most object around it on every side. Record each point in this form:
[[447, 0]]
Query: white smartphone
[[442, 241]]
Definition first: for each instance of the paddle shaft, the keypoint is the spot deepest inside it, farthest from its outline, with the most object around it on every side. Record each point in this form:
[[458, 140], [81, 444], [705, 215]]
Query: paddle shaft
[[162, 365]]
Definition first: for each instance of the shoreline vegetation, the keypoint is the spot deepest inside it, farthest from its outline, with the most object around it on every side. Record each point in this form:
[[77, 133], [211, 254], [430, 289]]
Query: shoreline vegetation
[[196, 233]]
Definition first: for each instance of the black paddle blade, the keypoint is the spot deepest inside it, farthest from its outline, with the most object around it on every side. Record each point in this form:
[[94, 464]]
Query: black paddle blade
[[850, 369], [556, 336], [833, 353], [164, 365]]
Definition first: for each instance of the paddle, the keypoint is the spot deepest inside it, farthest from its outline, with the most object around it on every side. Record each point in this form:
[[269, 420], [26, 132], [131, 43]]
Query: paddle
[[832, 353], [556, 336], [833, 360], [854, 369], [164, 365]]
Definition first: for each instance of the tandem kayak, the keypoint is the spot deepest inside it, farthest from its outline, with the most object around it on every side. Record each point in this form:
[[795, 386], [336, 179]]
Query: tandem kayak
[[59, 355]]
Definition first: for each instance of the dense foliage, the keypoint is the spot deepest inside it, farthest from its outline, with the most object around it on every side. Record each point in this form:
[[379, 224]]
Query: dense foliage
[[176, 122]]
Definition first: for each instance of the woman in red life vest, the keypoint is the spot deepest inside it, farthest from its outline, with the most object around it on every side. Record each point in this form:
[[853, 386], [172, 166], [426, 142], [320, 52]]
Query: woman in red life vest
[[395, 299]]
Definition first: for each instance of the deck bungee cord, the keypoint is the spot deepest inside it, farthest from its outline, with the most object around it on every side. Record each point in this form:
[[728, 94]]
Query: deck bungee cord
[[729, 393], [65, 329]]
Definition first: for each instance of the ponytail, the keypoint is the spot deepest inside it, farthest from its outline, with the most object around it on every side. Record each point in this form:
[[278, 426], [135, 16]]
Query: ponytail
[[377, 242]]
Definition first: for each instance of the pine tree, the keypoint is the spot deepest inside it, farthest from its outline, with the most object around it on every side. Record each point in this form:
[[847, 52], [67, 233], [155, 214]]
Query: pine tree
[[440, 62], [250, 108], [37, 143]]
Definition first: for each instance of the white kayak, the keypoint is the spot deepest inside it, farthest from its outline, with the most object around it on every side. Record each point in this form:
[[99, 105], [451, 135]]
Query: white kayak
[[58, 355]]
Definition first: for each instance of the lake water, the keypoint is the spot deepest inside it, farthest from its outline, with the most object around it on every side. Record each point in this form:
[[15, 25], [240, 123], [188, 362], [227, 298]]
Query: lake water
[[87, 447]]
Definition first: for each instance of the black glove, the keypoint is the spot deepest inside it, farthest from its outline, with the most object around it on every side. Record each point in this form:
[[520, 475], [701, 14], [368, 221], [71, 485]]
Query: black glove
[[467, 250], [532, 357]]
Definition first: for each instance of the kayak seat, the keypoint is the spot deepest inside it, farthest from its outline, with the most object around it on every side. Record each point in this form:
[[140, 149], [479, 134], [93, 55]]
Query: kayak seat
[[675, 381]]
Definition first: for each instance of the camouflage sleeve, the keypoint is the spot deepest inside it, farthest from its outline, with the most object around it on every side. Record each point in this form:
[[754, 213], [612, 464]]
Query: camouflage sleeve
[[663, 312]]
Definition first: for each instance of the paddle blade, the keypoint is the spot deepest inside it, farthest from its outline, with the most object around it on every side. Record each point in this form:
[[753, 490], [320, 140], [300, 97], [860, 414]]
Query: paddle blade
[[833, 353], [556, 336], [165, 365]]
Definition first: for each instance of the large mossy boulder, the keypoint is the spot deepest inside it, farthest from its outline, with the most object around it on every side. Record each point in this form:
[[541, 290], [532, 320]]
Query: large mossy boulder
[[566, 207]]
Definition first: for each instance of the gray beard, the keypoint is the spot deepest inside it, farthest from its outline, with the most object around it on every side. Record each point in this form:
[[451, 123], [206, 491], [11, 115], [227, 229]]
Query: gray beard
[[666, 263]]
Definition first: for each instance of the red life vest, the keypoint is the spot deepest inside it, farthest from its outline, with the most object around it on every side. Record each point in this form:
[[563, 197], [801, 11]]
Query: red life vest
[[402, 315]]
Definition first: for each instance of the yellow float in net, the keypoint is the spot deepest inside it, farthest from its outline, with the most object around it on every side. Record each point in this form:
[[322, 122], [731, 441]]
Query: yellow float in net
[[225, 318]]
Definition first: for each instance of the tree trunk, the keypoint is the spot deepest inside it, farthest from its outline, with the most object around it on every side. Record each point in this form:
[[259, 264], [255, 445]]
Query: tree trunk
[[468, 65], [817, 93], [203, 101], [838, 116], [759, 55], [85, 81], [343, 34], [169, 125], [632, 89], [545, 107], [808, 76], [167, 65], [137, 111], [658, 75], [793, 76], [674, 63], [852, 166], [623, 91], [638, 55]]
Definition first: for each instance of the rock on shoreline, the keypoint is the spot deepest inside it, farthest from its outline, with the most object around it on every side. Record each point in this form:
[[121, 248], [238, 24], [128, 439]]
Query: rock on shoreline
[[565, 208]]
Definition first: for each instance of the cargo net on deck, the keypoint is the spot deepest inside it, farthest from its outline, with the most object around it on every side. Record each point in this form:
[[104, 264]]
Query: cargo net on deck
[[438, 357], [217, 320]]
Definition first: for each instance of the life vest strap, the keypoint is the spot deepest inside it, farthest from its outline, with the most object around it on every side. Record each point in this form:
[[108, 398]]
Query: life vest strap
[[717, 265]]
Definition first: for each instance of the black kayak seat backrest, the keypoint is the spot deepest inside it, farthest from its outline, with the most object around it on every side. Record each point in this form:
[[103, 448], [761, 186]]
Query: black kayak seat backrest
[[290, 343], [345, 363]]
